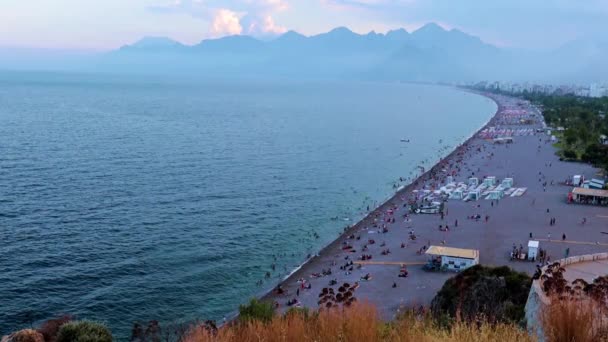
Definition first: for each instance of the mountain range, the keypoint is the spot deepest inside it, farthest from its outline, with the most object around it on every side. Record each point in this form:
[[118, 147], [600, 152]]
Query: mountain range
[[398, 54], [429, 54]]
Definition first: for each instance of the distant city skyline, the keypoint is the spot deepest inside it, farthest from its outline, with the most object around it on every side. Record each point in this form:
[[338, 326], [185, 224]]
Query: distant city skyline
[[109, 24]]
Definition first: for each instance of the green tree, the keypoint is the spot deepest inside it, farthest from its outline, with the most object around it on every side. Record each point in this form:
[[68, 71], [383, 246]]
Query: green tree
[[570, 136], [499, 294], [570, 154]]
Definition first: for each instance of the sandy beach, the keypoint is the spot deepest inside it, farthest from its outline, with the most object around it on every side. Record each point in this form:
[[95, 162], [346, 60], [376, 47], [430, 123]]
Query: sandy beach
[[530, 160]]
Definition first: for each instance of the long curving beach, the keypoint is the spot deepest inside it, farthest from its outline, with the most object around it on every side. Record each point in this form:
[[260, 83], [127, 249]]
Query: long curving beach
[[385, 233]]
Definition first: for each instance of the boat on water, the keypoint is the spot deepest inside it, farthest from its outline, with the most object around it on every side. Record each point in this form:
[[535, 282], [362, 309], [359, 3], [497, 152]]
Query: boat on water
[[405, 140]]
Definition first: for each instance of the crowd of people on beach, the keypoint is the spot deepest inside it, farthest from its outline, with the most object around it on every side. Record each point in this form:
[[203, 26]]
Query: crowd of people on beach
[[365, 242]]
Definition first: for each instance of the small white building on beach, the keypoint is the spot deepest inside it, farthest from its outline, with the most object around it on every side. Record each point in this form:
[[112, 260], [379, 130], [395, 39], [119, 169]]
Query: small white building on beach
[[495, 195], [489, 181], [532, 250], [455, 259], [507, 183], [473, 195]]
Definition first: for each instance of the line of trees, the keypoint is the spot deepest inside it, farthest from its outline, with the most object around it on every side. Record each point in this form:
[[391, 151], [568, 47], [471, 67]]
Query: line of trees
[[584, 119]]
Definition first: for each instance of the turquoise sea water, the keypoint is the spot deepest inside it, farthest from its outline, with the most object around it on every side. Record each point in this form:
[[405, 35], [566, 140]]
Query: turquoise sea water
[[136, 199]]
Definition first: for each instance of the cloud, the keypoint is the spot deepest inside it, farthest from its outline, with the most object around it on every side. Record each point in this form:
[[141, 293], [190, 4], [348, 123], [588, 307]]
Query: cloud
[[226, 22], [261, 25], [268, 5], [229, 17], [367, 4]]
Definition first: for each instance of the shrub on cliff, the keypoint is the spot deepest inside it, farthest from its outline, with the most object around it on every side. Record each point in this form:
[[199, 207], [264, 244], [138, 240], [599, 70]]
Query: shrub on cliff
[[84, 331], [50, 328], [256, 310], [568, 319], [498, 294], [26, 335]]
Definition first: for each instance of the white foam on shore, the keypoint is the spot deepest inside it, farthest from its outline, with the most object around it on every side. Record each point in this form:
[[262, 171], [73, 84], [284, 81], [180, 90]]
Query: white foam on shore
[[298, 268]]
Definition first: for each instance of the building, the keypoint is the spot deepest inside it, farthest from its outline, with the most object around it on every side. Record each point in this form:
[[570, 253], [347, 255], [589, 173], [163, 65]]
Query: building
[[588, 196], [533, 250], [598, 90], [450, 258]]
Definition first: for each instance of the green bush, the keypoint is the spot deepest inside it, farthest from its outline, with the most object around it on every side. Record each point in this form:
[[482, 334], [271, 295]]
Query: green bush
[[84, 331], [596, 154], [256, 310], [304, 312], [499, 294]]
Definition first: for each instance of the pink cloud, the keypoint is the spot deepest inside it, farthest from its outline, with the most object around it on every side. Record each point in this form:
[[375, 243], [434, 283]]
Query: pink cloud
[[226, 22], [228, 17]]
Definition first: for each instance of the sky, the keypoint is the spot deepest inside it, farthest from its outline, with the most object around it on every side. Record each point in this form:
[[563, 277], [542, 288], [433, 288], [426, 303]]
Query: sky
[[107, 24]]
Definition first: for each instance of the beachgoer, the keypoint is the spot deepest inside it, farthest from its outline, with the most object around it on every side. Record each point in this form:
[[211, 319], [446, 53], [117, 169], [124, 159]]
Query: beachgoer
[[564, 237]]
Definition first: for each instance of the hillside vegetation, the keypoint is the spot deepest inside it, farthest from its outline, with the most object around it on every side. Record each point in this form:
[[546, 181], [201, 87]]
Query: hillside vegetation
[[359, 322], [481, 304]]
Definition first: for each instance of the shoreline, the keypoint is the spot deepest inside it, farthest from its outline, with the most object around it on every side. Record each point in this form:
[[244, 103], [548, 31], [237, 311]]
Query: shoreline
[[492, 225], [296, 273]]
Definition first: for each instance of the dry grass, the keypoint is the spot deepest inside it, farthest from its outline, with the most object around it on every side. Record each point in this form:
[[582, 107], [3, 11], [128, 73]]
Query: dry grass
[[568, 320], [26, 335], [358, 323]]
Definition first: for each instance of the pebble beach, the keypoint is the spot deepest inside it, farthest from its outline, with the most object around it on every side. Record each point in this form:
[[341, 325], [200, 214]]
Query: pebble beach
[[372, 254]]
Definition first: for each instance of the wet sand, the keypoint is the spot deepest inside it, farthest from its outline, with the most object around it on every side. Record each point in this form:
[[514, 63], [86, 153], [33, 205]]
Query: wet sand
[[511, 220]]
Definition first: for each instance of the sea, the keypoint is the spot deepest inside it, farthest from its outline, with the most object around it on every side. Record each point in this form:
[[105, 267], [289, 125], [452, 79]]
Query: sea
[[132, 198]]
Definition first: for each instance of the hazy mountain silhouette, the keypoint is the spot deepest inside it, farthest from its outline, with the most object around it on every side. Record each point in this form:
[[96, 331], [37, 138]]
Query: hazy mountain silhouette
[[154, 44], [430, 53]]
